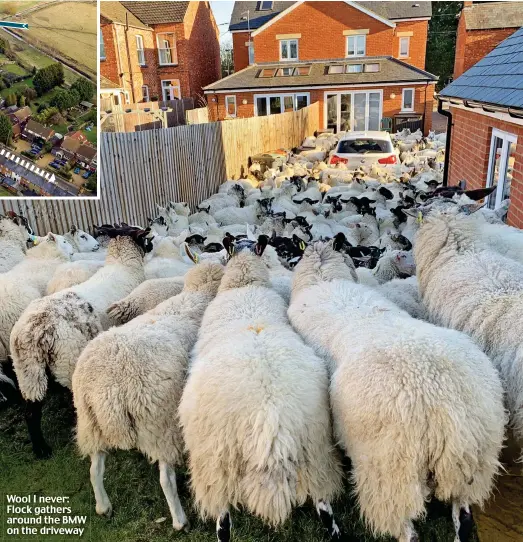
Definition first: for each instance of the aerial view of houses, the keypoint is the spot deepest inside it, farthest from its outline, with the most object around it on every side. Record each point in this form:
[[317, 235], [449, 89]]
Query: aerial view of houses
[[47, 94], [295, 311]]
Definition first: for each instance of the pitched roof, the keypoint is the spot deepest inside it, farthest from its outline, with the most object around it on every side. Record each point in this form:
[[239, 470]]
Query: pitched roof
[[86, 151], [38, 129], [116, 12], [387, 10], [158, 12], [23, 113], [488, 15], [70, 144], [391, 70], [496, 79]]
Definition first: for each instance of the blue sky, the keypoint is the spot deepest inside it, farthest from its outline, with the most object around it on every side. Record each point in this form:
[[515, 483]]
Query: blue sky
[[222, 10]]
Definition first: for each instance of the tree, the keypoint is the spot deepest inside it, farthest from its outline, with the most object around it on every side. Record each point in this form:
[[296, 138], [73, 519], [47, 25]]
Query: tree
[[84, 88], [92, 183], [49, 77], [6, 130], [10, 99], [4, 45], [21, 100], [226, 58], [60, 100], [30, 94], [441, 43]]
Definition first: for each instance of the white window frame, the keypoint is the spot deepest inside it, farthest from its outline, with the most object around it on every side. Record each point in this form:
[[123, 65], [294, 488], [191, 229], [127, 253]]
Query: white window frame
[[400, 55], [227, 109], [355, 37], [265, 9], [145, 94], [102, 46], [140, 51], [281, 96], [507, 139], [288, 42], [338, 107], [411, 109], [170, 86], [173, 49], [250, 52]]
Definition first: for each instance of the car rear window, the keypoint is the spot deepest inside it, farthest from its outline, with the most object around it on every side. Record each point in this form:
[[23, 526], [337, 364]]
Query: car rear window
[[364, 146]]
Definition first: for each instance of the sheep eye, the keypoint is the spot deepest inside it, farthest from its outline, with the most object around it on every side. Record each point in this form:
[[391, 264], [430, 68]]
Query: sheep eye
[[84, 237]]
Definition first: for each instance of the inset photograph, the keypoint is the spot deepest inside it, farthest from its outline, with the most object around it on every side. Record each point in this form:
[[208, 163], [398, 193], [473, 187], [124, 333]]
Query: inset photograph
[[48, 117]]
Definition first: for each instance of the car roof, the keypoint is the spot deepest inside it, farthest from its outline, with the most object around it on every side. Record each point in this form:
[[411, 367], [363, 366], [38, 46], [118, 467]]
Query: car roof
[[370, 134]]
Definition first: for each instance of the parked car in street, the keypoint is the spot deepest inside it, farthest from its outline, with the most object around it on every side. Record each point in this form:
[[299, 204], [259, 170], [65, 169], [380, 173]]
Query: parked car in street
[[363, 149]]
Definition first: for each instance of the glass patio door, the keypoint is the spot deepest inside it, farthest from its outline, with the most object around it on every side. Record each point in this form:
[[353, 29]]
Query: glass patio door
[[345, 112], [356, 111], [360, 109], [332, 112]]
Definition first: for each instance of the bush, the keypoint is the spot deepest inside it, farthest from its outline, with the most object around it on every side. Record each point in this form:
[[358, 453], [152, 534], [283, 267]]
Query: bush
[[30, 94], [41, 107], [47, 147], [48, 78], [10, 99], [28, 155], [21, 100], [84, 88], [92, 183]]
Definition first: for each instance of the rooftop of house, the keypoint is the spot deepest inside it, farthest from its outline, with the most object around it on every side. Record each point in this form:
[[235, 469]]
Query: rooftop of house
[[23, 113], [152, 13], [116, 12], [496, 79], [490, 15], [38, 129], [264, 76], [258, 16], [46, 181], [85, 151], [70, 144]]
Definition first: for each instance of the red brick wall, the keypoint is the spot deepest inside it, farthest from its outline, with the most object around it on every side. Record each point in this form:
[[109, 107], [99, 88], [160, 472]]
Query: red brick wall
[[473, 45], [418, 42], [109, 66], [240, 50], [470, 151], [391, 106], [324, 38]]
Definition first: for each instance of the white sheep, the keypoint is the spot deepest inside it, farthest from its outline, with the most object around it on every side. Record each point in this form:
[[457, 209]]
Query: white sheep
[[405, 293], [71, 273], [242, 406], [128, 383], [28, 281], [471, 288], [53, 331], [418, 409], [13, 247], [393, 264]]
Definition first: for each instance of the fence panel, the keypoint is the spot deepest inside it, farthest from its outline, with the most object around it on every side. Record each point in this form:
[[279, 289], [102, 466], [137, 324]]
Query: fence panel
[[188, 163]]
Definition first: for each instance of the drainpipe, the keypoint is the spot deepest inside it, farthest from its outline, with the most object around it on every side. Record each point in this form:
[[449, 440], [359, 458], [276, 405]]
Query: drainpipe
[[129, 56], [447, 114]]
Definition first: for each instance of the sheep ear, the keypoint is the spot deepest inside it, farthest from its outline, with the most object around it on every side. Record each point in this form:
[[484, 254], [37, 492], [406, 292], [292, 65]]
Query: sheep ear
[[189, 253], [51, 237], [481, 193], [261, 245], [471, 208], [228, 244], [73, 229], [411, 212], [338, 241]]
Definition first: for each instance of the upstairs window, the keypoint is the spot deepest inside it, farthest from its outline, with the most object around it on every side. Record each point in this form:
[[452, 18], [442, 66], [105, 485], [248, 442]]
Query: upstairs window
[[139, 50], [288, 49], [102, 46], [166, 49], [356, 45], [265, 6], [404, 47]]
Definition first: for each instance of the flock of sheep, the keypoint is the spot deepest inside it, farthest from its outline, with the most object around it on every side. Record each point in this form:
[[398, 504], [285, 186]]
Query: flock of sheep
[[301, 307]]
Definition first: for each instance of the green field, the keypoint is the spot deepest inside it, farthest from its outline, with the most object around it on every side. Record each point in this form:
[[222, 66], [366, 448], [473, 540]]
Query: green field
[[17, 86], [134, 489], [14, 68], [5, 193]]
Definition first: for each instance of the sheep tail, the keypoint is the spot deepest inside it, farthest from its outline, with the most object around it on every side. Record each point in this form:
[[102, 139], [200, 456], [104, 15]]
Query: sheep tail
[[123, 311]]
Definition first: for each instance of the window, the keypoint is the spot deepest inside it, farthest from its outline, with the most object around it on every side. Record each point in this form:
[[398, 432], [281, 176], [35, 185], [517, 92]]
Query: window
[[145, 93], [356, 110], [354, 68], [265, 6], [171, 90], [302, 70], [251, 52], [284, 72], [356, 45], [336, 69], [288, 49], [501, 166], [139, 50], [404, 47], [166, 49], [267, 72], [102, 46], [407, 99], [273, 104], [230, 105], [363, 146], [371, 68]]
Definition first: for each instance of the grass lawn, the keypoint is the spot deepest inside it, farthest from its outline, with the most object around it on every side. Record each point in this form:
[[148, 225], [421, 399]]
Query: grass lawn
[[17, 86], [134, 489], [5, 193], [14, 68]]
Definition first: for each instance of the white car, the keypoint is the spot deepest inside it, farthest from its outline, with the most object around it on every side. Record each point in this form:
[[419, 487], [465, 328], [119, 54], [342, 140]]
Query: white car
[[357, 149]]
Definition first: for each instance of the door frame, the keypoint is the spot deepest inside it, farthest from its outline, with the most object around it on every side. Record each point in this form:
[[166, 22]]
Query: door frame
[[338, 106], [507, 139]]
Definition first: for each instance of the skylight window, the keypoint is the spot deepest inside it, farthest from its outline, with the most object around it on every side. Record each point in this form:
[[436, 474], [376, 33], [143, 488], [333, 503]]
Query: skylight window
[[302, 70], [265, 6], [267, 72], [354, 68], [372, 68], [336, 69], [284, 72]]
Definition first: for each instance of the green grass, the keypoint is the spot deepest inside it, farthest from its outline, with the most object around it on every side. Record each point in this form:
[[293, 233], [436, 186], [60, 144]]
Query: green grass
[[14, 68], [5, 193], [17, 86], [134, 489], [91, 136]]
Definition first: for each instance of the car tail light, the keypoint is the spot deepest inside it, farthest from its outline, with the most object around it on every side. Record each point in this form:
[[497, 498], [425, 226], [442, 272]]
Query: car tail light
[[338, 160], [389, 160]]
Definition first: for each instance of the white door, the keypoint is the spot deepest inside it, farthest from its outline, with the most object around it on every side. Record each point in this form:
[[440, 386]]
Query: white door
[[353, 111]]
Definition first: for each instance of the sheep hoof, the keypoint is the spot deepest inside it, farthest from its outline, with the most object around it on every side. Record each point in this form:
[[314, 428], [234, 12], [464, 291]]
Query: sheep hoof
[[187, 527], [42, 451], [108, 513]]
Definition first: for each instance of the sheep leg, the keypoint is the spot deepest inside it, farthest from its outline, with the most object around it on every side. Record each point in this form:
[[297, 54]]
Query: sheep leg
[[168, 483], [408, 533], [463, 521], [103, 504], [223, 527], [33, 418], [324, 510]]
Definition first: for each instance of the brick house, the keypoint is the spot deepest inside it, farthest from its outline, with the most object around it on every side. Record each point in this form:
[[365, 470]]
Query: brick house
[[86, 157], [153, 50], [485, 139], [481, 27], [34, 131], [362, 61]]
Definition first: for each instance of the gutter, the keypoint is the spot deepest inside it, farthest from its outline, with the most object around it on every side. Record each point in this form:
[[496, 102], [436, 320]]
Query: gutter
[[447, 114]]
